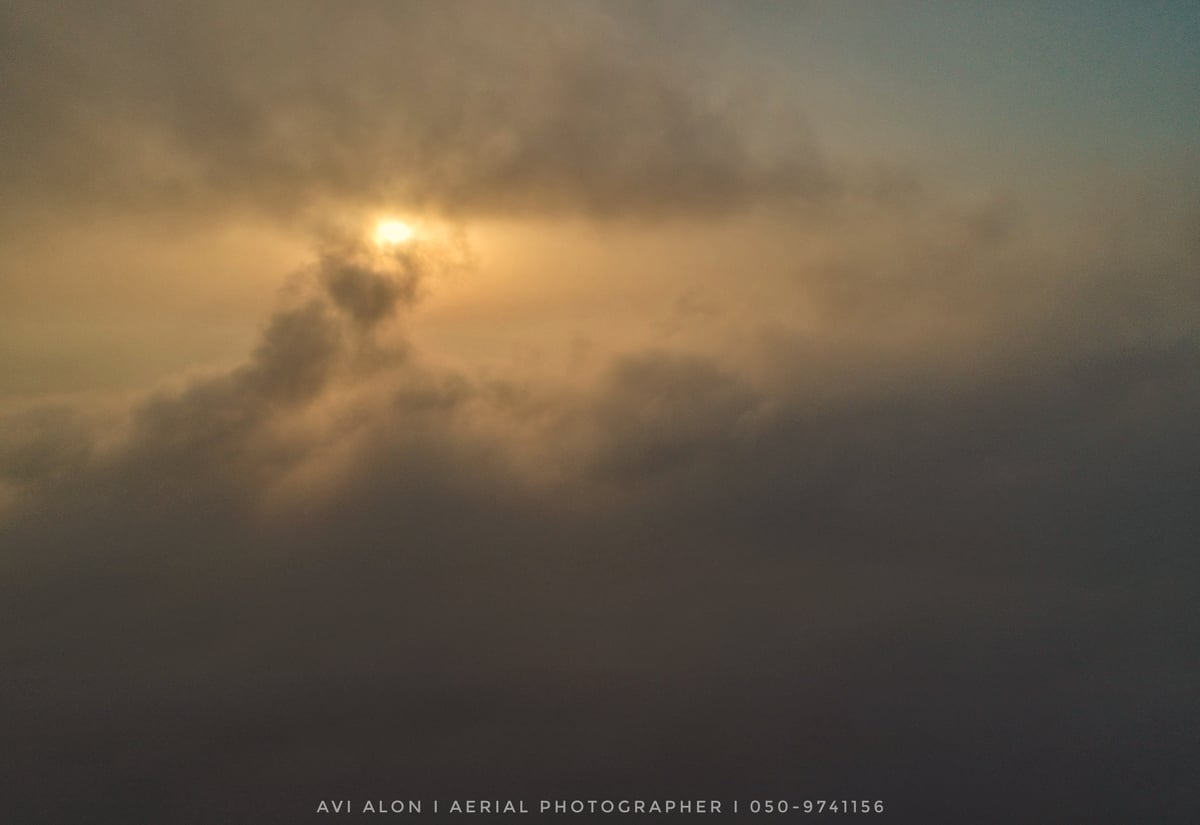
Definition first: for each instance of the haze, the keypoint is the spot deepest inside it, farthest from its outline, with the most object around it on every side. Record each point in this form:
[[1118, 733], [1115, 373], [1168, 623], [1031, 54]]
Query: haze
[[742, 400]]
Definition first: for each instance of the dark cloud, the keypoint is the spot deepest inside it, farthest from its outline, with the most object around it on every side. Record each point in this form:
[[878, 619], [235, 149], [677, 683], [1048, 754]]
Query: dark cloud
[[929, 540], [967, 595], [460, 107], [43, 443], [360, 292], [658, 412]]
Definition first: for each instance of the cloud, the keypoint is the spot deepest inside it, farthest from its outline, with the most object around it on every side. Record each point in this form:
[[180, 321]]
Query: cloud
[[900, 505], [327, 573], [463, 108]]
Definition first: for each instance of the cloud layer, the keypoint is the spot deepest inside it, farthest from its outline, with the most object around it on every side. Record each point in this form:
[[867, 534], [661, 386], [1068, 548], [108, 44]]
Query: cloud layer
[[340, 570], [889, 496], [466, 108]]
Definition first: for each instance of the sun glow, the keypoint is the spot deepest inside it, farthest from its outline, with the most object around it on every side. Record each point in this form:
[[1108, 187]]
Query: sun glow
[[392, 233]]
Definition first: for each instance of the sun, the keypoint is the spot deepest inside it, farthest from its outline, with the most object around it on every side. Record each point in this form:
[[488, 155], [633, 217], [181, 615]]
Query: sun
[[392, 233]]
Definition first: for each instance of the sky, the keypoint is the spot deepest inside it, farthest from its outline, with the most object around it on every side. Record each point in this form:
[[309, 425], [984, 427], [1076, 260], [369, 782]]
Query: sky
[[761, 401]]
